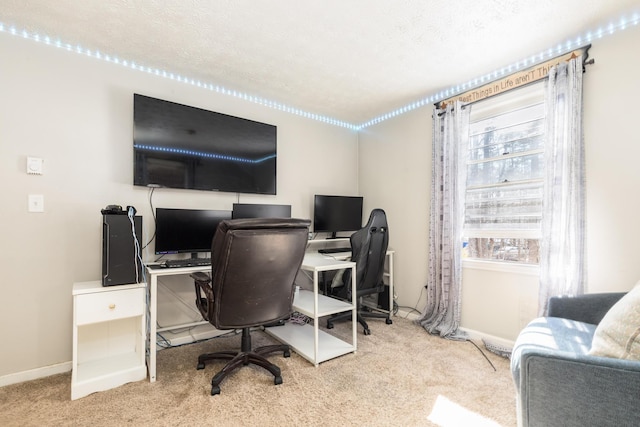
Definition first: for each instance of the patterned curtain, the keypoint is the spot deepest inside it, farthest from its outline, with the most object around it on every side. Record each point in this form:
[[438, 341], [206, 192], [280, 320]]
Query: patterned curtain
[[450, 135], [563, 218]]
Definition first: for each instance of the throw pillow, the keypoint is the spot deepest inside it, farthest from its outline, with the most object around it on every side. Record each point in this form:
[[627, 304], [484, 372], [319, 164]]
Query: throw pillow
[[618, 334]]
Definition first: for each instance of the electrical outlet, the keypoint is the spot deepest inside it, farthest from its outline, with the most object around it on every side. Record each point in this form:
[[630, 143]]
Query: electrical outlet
[[36, 203]]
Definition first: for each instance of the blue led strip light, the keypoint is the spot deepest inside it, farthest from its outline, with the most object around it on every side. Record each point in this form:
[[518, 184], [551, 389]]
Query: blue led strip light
[[560, 49], [200, 154], [166, 74], [580, 41]]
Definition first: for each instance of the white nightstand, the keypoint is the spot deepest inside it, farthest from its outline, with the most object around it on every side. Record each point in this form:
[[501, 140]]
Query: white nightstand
[[109, 336]]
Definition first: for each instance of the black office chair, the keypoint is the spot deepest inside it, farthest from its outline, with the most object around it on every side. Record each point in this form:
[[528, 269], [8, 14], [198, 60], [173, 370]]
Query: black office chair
[[368, 250], [254, 263]]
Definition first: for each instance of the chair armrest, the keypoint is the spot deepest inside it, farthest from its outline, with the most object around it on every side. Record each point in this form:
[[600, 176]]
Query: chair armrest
[[570, 389], [202, 284], [588, 308]]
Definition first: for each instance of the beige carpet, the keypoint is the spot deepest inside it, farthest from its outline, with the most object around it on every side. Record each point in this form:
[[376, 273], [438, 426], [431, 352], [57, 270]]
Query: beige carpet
[[400, 376]]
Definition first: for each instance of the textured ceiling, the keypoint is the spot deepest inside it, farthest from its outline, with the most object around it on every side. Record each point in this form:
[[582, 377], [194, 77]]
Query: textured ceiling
[[352, 60]]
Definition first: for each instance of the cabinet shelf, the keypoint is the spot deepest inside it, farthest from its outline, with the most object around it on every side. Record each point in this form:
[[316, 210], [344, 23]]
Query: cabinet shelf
[[106, 367]]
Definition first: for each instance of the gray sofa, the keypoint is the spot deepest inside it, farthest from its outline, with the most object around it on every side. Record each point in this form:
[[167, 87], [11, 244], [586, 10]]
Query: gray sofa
[[559, 384]]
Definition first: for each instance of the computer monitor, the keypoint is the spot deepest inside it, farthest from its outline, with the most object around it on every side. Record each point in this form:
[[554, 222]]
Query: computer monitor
[[186, 230], [249, 210], [333, 214]]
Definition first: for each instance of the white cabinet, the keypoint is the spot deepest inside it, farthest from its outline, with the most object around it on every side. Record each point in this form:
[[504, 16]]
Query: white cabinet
[[109, 337]]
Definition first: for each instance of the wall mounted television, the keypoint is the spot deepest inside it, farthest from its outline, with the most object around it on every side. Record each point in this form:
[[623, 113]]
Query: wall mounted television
[[178, 146], [333, 214], [186, 230]]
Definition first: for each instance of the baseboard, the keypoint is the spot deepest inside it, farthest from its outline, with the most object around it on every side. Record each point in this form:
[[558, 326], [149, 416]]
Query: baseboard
[[473, 334], [412, 315], [34, 374], [477, 335]]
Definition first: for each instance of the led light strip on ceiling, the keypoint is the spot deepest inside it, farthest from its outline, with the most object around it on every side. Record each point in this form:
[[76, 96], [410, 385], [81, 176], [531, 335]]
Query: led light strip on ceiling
[[579, 41]]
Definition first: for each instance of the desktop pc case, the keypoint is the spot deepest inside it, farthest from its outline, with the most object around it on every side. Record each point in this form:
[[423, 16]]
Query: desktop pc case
[[119, 264]]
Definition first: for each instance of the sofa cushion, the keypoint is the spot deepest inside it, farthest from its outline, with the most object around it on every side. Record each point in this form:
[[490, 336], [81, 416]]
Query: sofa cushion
[[551, 336], [618, 334]]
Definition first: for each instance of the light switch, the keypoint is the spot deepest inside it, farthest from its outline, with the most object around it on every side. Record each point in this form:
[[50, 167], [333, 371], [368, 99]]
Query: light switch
[[36, 203], [34, 165]]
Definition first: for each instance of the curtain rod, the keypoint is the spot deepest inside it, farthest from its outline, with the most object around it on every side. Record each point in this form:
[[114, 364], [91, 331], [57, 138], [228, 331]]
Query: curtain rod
[[517, 79]]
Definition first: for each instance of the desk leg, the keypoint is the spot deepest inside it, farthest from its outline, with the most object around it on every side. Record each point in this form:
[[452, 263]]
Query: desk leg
[[354, 311], [153, 322], [316, 319], [391, 291]]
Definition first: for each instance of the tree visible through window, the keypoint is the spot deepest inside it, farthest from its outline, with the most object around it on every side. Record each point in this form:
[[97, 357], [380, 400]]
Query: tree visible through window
[[505, 170]]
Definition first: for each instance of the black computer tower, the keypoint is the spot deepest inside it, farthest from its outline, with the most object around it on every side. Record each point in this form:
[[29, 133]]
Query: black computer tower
[[383, 299], [119, 263]]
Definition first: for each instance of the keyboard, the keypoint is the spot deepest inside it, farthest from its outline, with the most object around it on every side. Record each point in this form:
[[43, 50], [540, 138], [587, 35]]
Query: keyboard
[[189, 262], [334, 250]]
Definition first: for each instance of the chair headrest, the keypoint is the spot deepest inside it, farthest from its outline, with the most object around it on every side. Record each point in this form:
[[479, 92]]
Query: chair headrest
[[260, 223]]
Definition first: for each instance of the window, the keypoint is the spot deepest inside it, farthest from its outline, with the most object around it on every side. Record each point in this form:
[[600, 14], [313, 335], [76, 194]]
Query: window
[[505, 167]]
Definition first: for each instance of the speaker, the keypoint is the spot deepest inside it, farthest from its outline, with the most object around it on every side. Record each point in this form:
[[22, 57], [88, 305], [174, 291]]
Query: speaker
[[120, 265]]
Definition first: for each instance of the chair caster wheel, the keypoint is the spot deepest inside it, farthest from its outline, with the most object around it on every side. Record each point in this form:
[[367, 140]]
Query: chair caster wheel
[[277, 380], [287, 353], [367, 332], [200, 366], [329, 325], [388, 321], [215, 390]]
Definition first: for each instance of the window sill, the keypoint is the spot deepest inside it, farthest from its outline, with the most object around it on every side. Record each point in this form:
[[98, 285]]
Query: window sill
[[503, 267]]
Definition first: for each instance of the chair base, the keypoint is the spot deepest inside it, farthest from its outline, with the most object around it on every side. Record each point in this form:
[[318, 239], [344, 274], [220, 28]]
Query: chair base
[[361, 315], [242, 358]]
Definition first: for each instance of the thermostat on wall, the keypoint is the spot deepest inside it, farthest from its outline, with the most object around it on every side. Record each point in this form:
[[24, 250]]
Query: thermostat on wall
[[34, 165]]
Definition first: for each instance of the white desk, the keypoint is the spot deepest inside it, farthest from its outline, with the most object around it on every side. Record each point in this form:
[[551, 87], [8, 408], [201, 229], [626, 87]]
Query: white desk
[[313, 344], [307, 340]]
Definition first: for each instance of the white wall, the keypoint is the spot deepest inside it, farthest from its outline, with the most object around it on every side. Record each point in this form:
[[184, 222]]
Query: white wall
[[612, 113], [497, 303], [395, 175], [76, 113]]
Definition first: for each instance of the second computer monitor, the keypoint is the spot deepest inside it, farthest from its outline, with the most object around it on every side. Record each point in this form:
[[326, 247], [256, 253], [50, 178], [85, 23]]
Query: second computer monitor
[[186, 230], [250, 210], [333, 214]]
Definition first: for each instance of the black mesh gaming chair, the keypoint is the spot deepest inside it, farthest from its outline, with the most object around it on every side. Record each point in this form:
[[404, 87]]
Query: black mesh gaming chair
[[368, 250], [254, 263]]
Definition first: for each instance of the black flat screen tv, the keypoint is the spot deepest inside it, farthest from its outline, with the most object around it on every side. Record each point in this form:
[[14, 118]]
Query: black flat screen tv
[[333, 214], [186, 230], [178, 146]]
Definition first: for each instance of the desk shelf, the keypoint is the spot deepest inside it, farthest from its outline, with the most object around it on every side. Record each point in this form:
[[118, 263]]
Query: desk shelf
[[309, 341], [303, 303], [301, 340]]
